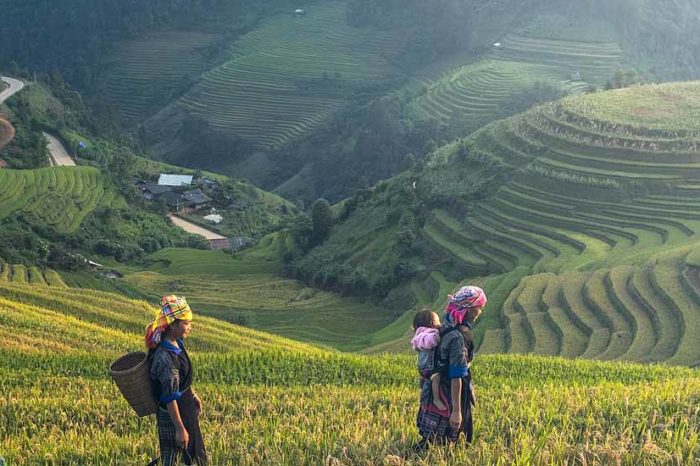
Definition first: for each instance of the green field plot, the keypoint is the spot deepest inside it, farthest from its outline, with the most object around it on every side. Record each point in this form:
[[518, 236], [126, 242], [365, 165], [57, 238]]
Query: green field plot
[[669, 322], [289, 75], [57, 197], [182, 261], [635, 232], [591, 62], [20, 274], [246, 289], [453, 244], [149, 71], [547, 334], [665, 109], [621, 313], [574, 334], [35, 276], [667, 282], [593, 326], [278, 305], [646, 332], [471, 95]]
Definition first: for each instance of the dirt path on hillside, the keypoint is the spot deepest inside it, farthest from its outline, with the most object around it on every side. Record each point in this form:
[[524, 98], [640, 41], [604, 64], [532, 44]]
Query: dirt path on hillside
[[58, 155], [194, 229]]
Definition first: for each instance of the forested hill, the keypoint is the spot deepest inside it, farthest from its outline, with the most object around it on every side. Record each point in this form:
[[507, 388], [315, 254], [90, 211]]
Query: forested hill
[[72, 35]]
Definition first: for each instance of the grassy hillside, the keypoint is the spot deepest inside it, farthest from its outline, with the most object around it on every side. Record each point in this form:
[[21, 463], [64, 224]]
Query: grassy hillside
[[246, 289], [590, 198], [356, 409]]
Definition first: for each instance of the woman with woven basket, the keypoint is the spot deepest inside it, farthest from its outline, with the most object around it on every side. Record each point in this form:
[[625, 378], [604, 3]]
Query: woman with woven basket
[[179, 407]]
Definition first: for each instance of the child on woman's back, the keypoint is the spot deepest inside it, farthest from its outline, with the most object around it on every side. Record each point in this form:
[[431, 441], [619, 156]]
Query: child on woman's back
[[426, 337]]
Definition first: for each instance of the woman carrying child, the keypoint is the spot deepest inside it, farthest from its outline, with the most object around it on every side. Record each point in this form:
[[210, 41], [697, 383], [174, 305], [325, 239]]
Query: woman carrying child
[[453, 356]]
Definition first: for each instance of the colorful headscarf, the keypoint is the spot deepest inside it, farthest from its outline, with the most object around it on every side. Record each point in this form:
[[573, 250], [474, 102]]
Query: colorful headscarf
[[466, 298], [172, 308]]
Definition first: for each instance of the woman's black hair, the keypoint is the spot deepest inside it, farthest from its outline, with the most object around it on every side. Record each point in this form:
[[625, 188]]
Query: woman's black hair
[[423, 318]]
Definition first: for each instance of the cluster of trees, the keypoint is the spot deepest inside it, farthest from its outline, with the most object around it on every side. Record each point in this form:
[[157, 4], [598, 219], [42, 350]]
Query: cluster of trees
[[124, 234], [28, 147], [362, 145], [334, 248]]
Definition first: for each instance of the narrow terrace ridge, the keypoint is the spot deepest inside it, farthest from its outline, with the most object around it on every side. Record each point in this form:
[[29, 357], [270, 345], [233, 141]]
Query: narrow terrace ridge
[[621, 325]]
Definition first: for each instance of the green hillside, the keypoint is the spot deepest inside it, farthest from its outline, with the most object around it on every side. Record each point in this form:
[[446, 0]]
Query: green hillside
[[591, 198], [308, 104], [284, 78], [149, 71], [269, 400], [550, 51], [246, 289]]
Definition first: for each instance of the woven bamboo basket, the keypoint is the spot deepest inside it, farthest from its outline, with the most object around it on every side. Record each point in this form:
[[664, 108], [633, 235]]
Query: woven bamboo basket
[[132, 376]]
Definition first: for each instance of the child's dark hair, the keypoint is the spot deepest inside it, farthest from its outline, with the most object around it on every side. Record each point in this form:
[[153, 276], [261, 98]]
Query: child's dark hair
[[423, 318]]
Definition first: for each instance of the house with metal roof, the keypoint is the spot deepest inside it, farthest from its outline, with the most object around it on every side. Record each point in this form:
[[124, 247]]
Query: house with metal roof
[[174, 180]]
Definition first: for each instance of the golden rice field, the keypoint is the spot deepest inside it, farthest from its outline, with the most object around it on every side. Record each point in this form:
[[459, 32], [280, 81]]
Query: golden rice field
[[269, 400]]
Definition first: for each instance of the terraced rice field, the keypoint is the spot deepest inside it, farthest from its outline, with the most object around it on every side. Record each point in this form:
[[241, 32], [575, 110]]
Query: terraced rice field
[[286, 77], [150, 70], [59, 197], [270, 400], [600, 209], [470, 96]]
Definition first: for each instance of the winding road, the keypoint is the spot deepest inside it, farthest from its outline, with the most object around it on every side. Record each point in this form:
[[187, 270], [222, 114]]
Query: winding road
[[7, 132], [15, 85]]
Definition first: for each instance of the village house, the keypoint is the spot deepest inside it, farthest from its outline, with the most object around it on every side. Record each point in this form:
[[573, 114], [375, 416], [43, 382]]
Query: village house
[[195, 199], [174, 180]]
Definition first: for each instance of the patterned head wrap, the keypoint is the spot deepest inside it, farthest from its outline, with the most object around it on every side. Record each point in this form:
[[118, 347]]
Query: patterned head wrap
[[172, 308], [466, 298]]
